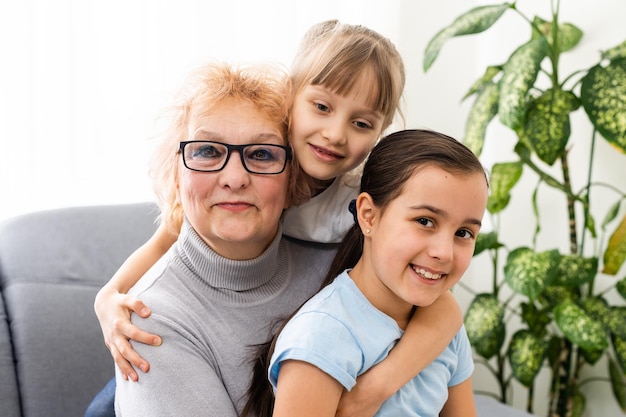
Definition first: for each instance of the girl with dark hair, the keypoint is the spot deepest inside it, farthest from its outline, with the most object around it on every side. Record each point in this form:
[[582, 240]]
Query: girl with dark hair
[[421, 201]]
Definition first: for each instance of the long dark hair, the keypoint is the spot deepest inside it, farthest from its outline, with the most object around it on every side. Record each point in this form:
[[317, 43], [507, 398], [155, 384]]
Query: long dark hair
[[390, 164]]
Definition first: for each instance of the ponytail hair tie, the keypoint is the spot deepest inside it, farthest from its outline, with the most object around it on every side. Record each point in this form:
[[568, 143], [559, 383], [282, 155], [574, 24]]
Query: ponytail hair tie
[[352, 209]]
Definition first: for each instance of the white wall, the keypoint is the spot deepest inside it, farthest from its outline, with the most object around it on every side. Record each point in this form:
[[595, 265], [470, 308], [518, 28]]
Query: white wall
[[81, 83]]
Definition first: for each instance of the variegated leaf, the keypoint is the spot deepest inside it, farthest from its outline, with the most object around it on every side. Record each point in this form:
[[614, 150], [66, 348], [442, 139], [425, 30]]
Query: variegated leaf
[[518, 76], [482, 82], [618, 383], [576, 270], [536, 319], [483, 111], [529, 273], [615, 253], [579, 328], [616, 52], [504, 176], [476, 20], [616, 321], [486, 241], [526, 353], [578, 404], [621, 287], [484, 326], [547, 125], [611, 214], [567, 37], [553, 295], [619, 345], [603, 94]]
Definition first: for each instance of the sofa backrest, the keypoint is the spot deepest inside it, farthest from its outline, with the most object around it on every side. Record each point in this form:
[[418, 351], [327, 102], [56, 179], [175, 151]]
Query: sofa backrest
[[52, 264]]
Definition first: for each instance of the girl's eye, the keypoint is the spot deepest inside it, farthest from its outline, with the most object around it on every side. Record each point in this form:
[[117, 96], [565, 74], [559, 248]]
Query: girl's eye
[[362, 125], [321, 107], [465, 234], [425, 222]]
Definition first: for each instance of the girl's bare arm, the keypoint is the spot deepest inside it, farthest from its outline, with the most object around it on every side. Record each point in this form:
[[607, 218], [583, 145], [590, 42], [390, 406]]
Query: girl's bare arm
[[113, 306], [429, 332]]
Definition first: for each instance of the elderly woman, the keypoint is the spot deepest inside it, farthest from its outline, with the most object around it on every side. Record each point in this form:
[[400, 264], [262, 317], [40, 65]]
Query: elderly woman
[[225, 165]]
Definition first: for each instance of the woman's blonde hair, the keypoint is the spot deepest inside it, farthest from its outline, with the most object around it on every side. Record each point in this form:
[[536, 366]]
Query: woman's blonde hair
[[266, 87]]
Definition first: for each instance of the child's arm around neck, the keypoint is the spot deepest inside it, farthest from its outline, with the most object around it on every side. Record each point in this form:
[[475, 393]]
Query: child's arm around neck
[[113, 306]]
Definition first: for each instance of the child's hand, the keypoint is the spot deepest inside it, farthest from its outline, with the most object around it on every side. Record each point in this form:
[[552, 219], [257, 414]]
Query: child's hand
[[113, 311], [365, 398]]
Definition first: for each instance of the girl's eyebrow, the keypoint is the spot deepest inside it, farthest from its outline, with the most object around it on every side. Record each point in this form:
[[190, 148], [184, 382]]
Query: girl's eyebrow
[[444, 214]]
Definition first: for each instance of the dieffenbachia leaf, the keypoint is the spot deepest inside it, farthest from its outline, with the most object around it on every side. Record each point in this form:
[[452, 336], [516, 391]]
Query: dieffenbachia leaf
[[603, 94], [503, 177], [611, 214], [483, 111], [526, 353], [619, 345], [579, 327], [616, 321], [476, 20], [486, 240], [518, 76], [618, 51], [615, 252], [618, 383], [567, 37], [547, 125], [484, 325], [528, 272], [576, 270], [621, 287], [483, 81]]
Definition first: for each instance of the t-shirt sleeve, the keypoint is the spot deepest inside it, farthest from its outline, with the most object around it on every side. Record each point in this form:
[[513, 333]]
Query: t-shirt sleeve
[[320, 340], [465, 364]]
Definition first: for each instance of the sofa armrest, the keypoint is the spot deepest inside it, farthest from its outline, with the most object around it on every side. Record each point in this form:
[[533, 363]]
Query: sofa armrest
[[52, 264]]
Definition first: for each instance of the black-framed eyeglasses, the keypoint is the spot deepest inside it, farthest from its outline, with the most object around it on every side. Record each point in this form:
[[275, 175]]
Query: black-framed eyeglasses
[[256, 158]]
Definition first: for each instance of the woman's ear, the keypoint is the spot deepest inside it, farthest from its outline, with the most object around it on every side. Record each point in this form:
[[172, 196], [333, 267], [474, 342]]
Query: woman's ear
[[366, 213]]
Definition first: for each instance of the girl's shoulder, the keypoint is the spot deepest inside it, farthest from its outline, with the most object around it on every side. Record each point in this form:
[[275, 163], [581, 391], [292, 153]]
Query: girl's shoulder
[[324, 218]]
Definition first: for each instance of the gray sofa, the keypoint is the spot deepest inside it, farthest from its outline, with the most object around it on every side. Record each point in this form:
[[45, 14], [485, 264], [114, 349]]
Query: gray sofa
[[52, 356]]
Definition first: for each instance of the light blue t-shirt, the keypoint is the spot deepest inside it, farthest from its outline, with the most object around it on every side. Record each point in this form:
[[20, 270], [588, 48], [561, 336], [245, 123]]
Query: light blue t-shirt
[[343, 334]]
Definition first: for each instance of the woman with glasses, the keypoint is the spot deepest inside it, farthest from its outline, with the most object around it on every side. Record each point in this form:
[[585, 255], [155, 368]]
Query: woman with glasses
[[225, 165]]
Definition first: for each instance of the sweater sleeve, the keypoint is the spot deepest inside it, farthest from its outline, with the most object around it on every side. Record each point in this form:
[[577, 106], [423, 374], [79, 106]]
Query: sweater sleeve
[[181, 380]]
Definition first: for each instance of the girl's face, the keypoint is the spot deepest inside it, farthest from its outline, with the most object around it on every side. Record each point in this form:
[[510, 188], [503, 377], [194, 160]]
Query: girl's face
[[422, 243], [234, 211], [332, 134]]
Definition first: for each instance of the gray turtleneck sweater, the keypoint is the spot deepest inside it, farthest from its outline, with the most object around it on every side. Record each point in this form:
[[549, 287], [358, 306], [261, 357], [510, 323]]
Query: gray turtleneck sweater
[[210, 312]]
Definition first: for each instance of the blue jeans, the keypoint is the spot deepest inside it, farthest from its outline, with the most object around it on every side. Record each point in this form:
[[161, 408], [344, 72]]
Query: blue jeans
[[103, 404]]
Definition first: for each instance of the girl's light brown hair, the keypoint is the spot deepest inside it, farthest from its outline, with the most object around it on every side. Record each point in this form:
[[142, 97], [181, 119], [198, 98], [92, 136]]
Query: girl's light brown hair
[[331, 55]]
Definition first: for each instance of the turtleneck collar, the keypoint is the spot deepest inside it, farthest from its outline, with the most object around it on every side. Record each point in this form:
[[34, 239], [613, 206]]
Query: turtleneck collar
[[262, 274]]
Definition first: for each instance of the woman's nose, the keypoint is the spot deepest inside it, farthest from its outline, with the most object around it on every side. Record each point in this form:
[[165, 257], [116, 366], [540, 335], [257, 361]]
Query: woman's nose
[[234, 175]]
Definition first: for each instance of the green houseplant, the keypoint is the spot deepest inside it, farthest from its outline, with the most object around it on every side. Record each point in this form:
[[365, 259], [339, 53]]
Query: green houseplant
[[563, 322]]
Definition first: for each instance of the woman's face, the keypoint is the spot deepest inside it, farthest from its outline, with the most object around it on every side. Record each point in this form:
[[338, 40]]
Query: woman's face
[[234, 211]]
